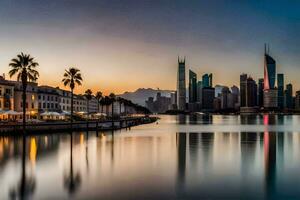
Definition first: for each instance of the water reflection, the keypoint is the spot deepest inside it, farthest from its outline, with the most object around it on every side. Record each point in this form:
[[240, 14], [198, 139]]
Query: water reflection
[[72, 181], [160, 161]]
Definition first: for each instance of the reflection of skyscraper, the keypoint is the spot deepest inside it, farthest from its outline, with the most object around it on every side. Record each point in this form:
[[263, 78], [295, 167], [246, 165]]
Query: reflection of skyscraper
[[280, 86], [181, 90], [181, 159], [192, 87]]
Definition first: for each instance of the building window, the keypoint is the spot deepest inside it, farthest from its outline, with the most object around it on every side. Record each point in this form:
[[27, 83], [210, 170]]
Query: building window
[[7, 91], [44, 105], [32, 97], [48, 98], [26, 104], [48, 105], [32, 105], [43, 97]]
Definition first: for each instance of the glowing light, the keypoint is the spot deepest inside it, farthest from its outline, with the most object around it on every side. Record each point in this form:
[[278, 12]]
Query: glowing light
[[33, 150]]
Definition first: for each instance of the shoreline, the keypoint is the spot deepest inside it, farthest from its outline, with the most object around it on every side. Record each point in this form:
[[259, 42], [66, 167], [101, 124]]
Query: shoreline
[[61, 127]]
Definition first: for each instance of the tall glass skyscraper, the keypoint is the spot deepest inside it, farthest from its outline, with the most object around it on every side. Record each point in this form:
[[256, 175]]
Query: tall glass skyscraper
[[181, 87], [269, 72], [192, 87]]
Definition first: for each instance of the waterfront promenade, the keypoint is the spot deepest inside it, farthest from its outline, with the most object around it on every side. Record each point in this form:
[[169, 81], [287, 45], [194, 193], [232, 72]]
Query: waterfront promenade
[[101, 125]]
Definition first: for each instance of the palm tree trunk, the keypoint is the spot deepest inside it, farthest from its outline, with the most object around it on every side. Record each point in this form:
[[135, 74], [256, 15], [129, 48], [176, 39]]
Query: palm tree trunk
[[71, 108], [112, 114], [24, 106], [87, 115]]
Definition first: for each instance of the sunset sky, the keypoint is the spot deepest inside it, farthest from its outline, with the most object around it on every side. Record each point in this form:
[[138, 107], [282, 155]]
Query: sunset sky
[[122, 45]]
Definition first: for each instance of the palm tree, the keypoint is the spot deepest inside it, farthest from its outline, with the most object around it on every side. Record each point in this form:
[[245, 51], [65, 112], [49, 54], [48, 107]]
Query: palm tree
[[99, 97], [88, 95], [112, 97], [106, 102], [24, 66], [71, 78]]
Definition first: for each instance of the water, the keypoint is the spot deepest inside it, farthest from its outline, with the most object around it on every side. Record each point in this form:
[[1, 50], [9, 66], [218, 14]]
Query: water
[[181, 157]]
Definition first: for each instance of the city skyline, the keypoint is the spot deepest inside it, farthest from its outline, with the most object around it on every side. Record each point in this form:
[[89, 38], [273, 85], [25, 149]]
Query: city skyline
[[120, 41]]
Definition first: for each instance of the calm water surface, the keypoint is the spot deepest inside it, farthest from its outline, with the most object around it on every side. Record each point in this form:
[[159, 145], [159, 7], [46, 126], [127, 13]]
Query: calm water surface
[[180, 157]]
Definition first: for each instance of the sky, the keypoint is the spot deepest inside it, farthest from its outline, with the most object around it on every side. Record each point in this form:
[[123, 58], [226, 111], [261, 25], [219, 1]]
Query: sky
[[122, 45]]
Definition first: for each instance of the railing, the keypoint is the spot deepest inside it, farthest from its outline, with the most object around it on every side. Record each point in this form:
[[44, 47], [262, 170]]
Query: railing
[[77, 125]]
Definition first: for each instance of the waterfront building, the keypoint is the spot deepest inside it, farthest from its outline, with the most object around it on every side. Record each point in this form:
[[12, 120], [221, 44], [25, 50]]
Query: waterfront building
[[217, 104], [288, 96], [199, 92], [93, 105], [65, 99], [208, 95], [80, 104], [218, 90], [224, 98], [31, 98], [48, 99], [260, 100], [297, 101], [248, 94], [181, 85], [243, 89], [280, 89], [271, 99], [6, 94], [192, 87]]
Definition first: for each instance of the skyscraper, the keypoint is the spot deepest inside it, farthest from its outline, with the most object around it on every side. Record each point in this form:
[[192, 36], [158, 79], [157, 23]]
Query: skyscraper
[[205, 80], [270, 92], [181, 87], [260, 100], [192, 87], [280, 91], [269, 71], [199, 92], [243, 89], [288, 96]]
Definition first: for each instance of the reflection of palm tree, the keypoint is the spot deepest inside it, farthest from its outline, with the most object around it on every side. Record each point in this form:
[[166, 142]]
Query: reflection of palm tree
[[72, 182], [27, 185], [24, 65]]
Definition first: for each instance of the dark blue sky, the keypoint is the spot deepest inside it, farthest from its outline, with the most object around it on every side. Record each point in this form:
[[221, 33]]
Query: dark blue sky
[[145, 37]]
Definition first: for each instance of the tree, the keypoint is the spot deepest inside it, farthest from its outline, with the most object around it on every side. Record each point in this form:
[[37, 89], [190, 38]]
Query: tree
[[71, 78], [24, 67], [99, 98], [112, 98]]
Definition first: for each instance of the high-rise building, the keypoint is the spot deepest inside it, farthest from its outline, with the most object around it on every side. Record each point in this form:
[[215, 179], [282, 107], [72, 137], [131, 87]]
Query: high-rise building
[[192, 87], [199, 92], [280, 90], [269, 71], [243, 89], [181, 87], [251, 99], [210, 80], [297, 101], [248, 94], [208, 95], [205, 80], [260, 100], [288, 96]]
